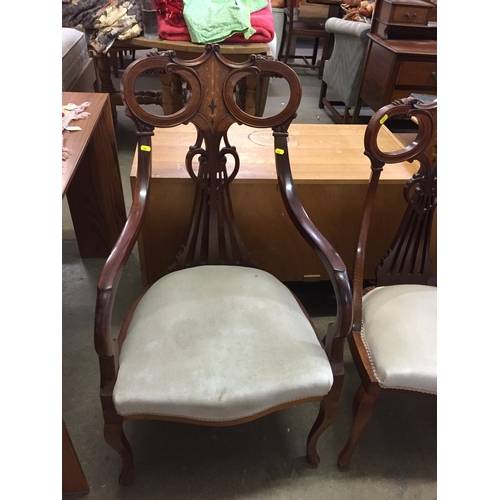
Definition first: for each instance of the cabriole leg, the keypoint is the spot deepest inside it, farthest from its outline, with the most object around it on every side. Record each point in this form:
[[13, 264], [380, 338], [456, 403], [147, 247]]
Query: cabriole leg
[[115, 437], [327, 414], [363, 406]]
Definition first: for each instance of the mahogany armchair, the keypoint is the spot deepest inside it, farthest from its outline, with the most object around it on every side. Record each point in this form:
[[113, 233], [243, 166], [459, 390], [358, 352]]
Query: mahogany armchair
[[216, 341], [394, 334]]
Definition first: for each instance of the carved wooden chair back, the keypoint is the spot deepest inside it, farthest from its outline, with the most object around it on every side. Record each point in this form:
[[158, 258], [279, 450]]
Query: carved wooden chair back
[[234, 315], [393, 339]]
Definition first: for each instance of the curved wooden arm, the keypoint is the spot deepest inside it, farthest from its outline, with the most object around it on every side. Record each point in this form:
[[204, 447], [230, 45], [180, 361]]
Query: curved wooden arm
[[113, 268], [332, 261]]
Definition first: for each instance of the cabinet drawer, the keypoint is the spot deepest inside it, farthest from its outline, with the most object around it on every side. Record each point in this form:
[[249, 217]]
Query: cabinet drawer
[[417, 74], [408, 14]]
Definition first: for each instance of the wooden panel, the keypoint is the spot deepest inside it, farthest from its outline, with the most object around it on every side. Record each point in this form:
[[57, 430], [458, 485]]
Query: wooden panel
[[91, 177], [318, 153], [73, 478], [331, 173], [269, 235], [417, 74], [378, 78]]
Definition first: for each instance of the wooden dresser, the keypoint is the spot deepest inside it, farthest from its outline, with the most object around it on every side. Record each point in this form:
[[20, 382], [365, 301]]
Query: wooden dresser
[[399, 59], [397, 68]]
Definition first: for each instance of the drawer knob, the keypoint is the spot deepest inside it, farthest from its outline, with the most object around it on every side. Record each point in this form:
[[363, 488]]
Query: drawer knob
[[411, 16]]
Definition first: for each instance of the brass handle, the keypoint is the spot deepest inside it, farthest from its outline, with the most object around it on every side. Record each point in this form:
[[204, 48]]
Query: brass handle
[[412, 16]]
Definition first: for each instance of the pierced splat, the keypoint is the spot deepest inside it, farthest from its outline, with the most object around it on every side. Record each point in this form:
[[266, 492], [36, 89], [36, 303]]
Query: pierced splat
[[212, 162], [408, 258], [213, 236]]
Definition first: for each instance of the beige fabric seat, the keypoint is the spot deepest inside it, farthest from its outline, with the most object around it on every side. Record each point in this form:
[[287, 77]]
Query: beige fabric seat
[[218, 343], [399, 332]]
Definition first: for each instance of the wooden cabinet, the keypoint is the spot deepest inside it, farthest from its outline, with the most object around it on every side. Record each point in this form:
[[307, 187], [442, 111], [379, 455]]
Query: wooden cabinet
[[331, 175], [397, 68]]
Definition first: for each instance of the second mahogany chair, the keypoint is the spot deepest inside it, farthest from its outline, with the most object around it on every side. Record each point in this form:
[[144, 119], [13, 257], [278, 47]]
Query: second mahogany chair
[[394, 334], [216, 341]]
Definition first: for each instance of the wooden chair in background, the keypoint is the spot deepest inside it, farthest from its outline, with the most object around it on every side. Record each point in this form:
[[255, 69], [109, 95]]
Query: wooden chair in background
[[394, 335], [303, 27], [216, 341]]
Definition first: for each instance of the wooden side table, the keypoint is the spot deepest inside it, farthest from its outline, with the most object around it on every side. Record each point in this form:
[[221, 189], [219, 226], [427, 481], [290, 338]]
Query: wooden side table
[[334, 6], [395, 69], [331, 175], [91, 178]]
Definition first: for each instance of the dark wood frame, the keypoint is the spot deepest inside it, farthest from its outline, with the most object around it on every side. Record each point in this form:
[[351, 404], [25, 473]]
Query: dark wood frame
[[213, 237]]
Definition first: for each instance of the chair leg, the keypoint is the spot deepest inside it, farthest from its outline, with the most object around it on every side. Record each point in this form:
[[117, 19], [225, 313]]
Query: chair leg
[[357, 110], [315, 51], [347, 114], [327, 414], [288, 48], [115, 437], [324, 56], [322, 93], [114, 62], [363, 405]]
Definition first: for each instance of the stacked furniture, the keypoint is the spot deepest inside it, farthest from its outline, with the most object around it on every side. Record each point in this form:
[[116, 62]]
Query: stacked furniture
[[401, 57]]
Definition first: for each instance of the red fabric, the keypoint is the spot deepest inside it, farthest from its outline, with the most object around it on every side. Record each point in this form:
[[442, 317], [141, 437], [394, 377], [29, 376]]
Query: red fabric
[[175, 28], [262, 22]]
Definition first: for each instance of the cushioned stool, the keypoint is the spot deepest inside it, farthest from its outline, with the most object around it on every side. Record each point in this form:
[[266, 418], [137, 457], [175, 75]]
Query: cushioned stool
[[78, 72]]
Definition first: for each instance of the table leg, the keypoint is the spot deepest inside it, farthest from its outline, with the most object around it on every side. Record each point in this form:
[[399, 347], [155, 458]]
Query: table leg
[[251, 83], [73, 477], [106, 84], [172, 100]]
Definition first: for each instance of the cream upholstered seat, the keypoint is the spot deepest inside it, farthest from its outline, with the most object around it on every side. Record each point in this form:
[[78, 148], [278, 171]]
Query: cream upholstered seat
[[208, 344], [399, 332], [394, 334], [343, 70], [216, 340]]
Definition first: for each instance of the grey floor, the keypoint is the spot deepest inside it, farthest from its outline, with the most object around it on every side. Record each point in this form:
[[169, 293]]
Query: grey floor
[[264, 459]]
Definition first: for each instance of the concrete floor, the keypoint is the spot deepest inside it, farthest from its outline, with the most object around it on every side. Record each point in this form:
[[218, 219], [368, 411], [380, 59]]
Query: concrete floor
[[264, 459]]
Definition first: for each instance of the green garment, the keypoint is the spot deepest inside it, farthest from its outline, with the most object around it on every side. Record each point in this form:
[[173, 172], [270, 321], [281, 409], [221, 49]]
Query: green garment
[[212, 21]]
